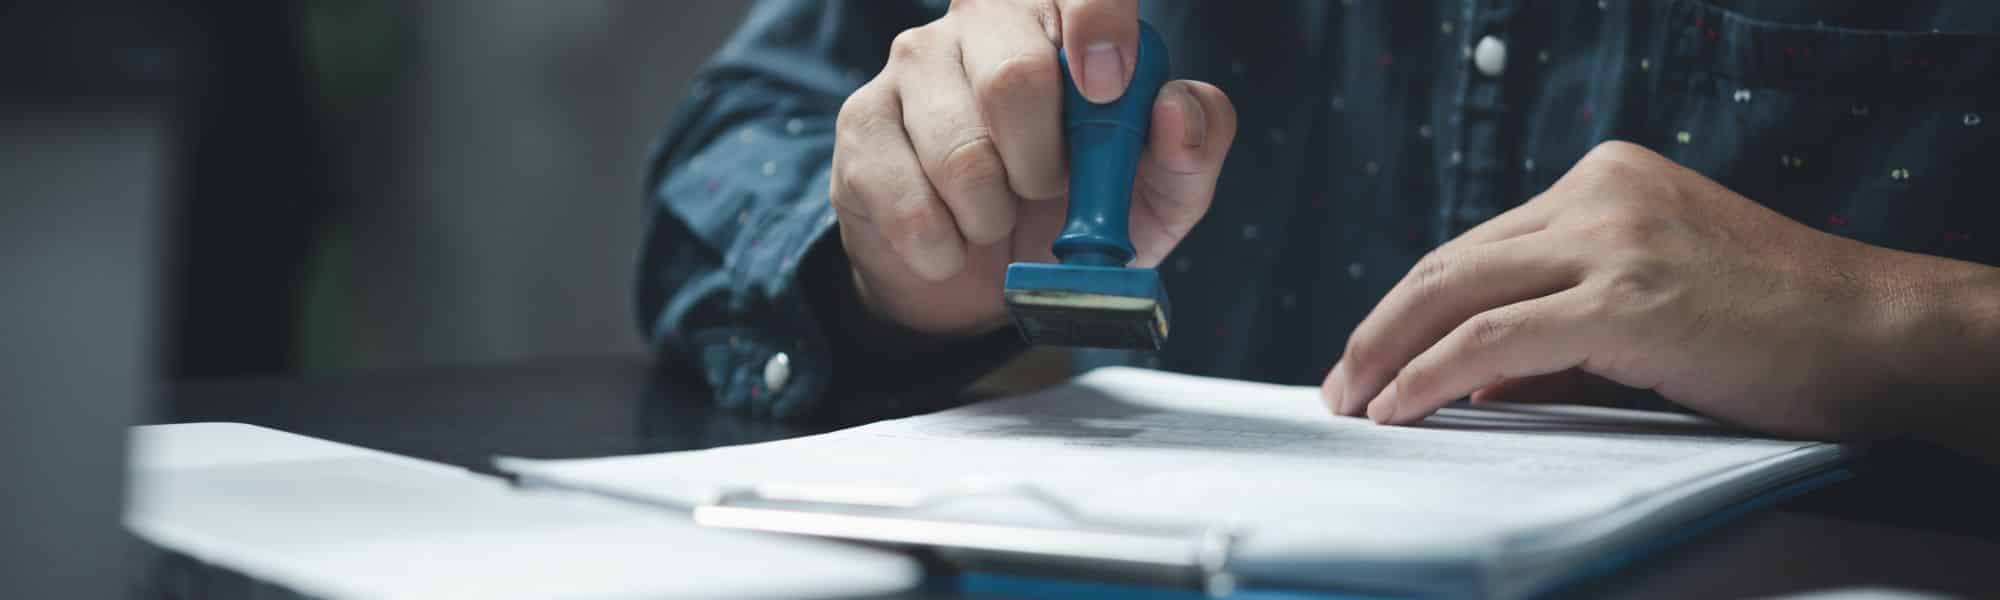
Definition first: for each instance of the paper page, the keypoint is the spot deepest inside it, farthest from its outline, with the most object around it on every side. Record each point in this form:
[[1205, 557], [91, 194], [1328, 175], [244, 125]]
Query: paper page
[[1148, 445], [332, 520]]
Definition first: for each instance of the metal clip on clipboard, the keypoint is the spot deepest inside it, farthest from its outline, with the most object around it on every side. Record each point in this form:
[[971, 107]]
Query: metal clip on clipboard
[[1085, 545]]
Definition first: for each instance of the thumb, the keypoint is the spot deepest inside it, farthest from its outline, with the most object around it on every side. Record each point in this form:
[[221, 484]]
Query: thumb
[[1193, 124], [1101, 39]]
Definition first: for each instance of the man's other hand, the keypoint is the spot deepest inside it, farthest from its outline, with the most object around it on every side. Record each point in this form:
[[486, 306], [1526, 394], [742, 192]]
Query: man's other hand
[[1640, 271]]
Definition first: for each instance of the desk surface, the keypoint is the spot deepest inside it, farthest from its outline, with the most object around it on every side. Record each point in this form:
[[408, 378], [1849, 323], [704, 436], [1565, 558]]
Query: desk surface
[[1914, 519]]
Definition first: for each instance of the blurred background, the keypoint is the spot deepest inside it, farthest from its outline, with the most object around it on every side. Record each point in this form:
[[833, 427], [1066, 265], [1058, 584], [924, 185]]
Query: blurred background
[[368, 183], [206, 188]]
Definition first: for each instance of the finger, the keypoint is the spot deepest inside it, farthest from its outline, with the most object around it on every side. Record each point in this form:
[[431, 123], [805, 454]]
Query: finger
[[1193, 125], [1017, 82], [1539, 336], [1101, 38], [879, 180], [953, 145], [1445, 288]]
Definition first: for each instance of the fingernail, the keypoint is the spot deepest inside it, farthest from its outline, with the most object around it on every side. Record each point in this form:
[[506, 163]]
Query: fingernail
[[1383, 408], [1196, 119], [1103, 72]]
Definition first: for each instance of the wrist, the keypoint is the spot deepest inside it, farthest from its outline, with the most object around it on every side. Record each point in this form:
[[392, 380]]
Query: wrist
[[1946, 344]]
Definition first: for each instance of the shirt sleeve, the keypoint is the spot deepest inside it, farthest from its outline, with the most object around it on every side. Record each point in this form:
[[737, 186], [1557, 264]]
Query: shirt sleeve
[[739, 276]]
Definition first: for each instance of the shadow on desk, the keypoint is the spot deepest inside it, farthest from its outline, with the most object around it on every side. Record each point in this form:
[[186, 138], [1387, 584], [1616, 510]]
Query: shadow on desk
[[1917, 487], [1785, 552]]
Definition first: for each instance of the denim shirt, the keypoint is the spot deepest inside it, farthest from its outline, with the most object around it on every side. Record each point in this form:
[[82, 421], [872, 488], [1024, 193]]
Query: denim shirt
[[1370, 132]]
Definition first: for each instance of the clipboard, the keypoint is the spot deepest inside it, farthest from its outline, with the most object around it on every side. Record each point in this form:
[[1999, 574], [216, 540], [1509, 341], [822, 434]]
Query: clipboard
[[1180, 555], [1087, 547]]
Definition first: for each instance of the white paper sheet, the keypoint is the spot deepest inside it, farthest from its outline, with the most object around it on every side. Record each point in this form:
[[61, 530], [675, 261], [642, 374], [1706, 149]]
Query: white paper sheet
[[332, 520], [1306, 486]]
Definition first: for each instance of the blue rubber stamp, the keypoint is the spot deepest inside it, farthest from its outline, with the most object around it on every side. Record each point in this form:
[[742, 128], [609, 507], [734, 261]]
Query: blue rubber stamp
[[1091, 298]]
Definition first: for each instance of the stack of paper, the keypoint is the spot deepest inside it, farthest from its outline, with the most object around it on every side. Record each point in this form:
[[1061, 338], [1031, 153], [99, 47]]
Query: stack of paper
[[1488, 502]]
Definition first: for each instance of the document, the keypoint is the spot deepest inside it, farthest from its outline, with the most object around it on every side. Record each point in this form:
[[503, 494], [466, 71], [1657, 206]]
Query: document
[[1503, 498], [330, 520]]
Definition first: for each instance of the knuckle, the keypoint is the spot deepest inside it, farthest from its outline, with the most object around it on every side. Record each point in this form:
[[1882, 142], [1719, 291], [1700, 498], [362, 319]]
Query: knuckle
[[1638, 284], [1619, 152], [1031, 76], [845, 190], [906, 45], [1490, 329], [976, 169], [864, 187], [837, 194], [1431, 276], [862, 110], [850, 160], [910, 218], [914, 43], [1624, 297], [973, 162], [987, 228], [1610, 169], [1359, 355], [1418, 378]]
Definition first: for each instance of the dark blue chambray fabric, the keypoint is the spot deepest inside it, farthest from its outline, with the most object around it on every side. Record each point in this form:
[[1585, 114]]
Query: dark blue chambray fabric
[[1367, 137]]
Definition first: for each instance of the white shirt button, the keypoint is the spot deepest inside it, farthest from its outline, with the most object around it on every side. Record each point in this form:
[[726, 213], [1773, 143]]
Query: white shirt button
[[1490, 56], [777, 372]]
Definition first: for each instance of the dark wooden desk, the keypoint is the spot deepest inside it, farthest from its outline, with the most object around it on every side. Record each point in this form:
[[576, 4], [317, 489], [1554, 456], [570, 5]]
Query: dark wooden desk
[[1913, 519]]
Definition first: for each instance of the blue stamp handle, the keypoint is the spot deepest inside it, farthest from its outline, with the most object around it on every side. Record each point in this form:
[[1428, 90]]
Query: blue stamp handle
[[1105, 141]]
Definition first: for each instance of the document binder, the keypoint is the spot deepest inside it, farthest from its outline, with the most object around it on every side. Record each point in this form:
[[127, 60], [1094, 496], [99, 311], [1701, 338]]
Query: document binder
[[1082, 545], [1157, 553]]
